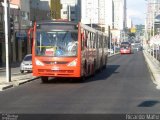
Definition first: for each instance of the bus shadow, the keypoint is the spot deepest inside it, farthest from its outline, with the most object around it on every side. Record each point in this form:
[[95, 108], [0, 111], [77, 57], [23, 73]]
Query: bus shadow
[[106, 73], [101, 75]]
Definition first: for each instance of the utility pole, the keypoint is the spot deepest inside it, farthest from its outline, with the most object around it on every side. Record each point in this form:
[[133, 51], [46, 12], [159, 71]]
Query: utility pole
[[8, 76]]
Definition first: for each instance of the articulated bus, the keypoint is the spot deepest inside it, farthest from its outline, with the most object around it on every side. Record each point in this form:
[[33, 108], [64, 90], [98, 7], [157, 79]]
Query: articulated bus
[[67, 49]]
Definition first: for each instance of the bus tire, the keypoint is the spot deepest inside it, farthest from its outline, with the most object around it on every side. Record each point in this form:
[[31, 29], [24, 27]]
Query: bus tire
[[105, 64], [93, 69], [44, 79], [101, 66], [80, 79], [22, 71]]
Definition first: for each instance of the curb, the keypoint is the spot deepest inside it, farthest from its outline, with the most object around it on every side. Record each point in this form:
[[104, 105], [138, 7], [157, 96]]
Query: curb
[[154, 69], [5, 86], [15, 83], [113, 54]]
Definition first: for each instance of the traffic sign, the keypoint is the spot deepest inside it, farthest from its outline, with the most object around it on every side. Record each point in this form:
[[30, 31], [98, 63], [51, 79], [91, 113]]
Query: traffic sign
[[21, 34]]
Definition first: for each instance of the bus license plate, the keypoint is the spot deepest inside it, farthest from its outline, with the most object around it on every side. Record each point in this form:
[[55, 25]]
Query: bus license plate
[[55, 68]]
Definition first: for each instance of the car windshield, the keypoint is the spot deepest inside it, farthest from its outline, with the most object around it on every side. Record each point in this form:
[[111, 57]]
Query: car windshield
[[28, 58], [56, 43]]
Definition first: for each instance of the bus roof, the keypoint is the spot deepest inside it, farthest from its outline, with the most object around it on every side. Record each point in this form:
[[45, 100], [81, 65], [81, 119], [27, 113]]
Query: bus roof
[[54, 21], [56, 25], [125, 43]]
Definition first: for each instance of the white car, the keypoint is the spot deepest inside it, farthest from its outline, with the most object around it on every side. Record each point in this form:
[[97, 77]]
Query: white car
[[26, 64], [110, 51]]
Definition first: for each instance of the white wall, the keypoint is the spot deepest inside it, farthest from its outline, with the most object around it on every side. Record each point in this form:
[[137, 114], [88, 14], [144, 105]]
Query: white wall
[[129, 22], [109, 13], [89, 11], [119, 14]]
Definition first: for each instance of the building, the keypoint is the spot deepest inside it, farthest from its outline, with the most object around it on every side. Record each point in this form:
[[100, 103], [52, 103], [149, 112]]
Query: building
[[14, 47], [39, 10], [1, 32], [119, 19], [89, 11], [151, 22], [65, 9], [71, 10], [23, 13], [109, 13], [129, 23]]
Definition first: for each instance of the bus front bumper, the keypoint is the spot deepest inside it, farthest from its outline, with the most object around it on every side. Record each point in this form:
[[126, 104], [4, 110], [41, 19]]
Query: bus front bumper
[[57, 71]]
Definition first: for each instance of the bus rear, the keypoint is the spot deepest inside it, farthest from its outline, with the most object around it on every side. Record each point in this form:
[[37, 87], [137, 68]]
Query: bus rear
[[55, 50]]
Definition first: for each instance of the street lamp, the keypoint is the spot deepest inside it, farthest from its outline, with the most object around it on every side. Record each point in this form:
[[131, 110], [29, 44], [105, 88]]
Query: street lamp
[[6, 15]]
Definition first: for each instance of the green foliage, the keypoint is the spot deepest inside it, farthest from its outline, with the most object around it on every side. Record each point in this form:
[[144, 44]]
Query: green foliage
[[131, 34]]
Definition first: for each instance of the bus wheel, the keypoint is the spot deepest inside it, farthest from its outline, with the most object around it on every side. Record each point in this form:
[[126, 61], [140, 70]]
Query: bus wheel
[[22, 71], [44, 79], [82, 79], [105, 65], [93, 70], [101, 66]]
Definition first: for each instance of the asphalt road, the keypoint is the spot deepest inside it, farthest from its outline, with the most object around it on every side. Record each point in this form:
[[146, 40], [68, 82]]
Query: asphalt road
[[124, 87]]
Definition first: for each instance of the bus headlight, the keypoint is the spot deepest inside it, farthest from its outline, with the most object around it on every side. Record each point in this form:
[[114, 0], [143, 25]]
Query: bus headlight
[[39, 63], [73, 63]]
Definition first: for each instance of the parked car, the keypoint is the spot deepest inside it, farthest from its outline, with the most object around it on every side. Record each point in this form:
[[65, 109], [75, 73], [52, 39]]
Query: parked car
[[26, 64]]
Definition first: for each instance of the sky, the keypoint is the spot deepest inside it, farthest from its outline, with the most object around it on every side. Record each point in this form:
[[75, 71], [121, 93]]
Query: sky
[[136, 10]]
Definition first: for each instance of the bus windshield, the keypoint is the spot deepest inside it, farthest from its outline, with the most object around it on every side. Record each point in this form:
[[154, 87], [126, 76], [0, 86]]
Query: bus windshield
[[125, 45], [56, 43]]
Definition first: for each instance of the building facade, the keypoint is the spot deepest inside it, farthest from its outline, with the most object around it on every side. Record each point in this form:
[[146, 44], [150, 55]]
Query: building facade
[[39, 10], [23, 13], [89, 11], [71, 10], [2, 41], [153, 11], [116, 19], [14, 14], [119, 19]]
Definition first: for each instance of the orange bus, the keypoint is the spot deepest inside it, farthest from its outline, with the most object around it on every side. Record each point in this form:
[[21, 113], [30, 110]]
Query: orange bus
[[67, 49]]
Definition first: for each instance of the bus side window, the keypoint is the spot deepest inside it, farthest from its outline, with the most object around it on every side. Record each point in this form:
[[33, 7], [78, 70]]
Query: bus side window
[[82, 41], [86, 39]]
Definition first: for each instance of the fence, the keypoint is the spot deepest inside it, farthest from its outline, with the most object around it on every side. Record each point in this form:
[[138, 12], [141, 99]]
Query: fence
[[154, 52]]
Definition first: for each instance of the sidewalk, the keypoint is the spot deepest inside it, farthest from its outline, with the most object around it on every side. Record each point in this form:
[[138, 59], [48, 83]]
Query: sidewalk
[[16, 78], [15, 81], [154, 67]]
